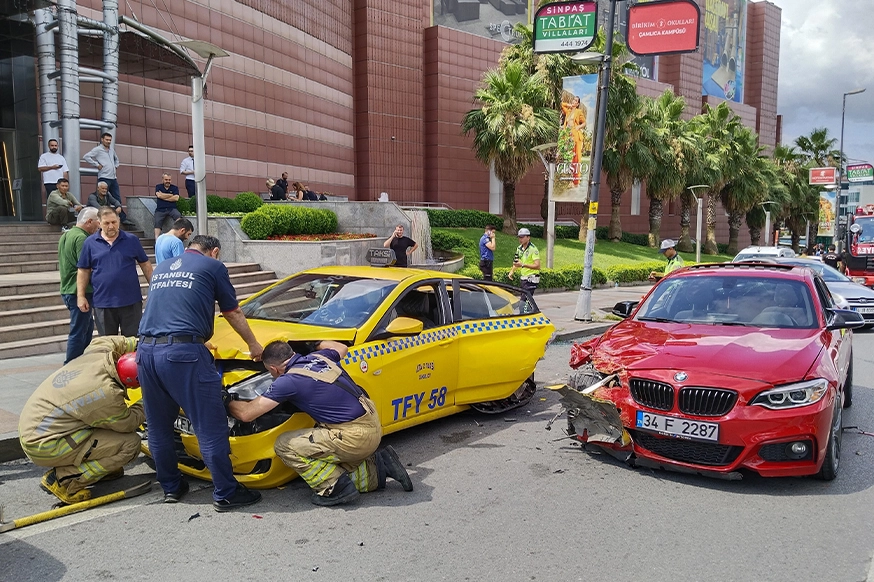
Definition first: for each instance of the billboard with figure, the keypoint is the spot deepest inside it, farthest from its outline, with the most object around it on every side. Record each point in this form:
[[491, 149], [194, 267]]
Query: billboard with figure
[[723, 44], [493, 19], [578, 114], [827, 213]]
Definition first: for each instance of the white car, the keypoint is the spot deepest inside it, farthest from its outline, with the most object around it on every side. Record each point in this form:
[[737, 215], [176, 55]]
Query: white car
[[752, 253]]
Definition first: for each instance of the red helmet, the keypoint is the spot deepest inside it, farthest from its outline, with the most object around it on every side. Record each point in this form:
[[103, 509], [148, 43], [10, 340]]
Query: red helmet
[[127, 370]]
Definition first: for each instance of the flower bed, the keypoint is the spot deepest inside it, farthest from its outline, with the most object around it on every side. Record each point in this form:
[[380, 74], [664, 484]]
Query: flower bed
[[322, 237]]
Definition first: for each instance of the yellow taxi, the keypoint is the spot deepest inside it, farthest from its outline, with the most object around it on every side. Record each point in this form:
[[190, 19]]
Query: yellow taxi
[[423, 344]]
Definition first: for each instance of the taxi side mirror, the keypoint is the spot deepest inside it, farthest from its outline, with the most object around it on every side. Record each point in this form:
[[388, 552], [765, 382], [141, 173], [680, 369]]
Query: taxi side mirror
[[624, 308], [404, 326]]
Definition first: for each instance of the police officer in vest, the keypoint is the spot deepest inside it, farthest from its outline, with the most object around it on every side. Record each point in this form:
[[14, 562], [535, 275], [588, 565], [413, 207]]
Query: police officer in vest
[[527, 261], [176, 368], [337, 457]]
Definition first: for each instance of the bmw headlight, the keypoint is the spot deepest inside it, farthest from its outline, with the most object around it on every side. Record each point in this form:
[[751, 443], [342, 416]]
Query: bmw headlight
[[792, 395]]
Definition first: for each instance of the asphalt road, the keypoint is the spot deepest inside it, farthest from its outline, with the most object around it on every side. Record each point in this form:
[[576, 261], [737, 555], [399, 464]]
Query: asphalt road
[[496, 498]]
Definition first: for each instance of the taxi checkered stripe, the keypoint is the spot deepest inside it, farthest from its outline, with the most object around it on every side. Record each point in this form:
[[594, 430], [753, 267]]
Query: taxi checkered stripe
[[466, 328]]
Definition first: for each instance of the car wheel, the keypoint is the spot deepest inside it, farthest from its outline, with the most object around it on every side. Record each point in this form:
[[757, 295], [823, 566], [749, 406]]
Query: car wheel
[[831, 463], [848, 385]]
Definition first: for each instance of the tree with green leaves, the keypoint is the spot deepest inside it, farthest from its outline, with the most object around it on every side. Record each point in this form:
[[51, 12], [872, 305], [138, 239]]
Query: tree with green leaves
[[803, 204], [717, 128], [817, 150], [513, 117]]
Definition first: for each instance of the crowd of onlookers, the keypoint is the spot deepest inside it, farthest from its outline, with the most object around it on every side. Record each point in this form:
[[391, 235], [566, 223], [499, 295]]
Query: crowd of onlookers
[[280, 190]]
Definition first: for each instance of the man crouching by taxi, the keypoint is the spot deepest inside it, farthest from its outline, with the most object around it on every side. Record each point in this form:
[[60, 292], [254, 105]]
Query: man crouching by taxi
[[77, 422], [337, 457]]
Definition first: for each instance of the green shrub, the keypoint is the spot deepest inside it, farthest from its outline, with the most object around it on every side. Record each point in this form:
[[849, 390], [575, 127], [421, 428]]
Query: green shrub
[[220, 205], [280, 220], [248, 202], [633, 273], [185, 205], [463, 219], [257, 225], [443, 240], [287, 219], [567, 278]]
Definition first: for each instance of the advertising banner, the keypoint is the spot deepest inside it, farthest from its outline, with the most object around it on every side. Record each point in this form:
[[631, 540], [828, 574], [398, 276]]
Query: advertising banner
[[494, 19], [646, 64], [822, 176], [860, 173], [723, 42], [666, 27], [827, 213], [565, 27], [578, 113]]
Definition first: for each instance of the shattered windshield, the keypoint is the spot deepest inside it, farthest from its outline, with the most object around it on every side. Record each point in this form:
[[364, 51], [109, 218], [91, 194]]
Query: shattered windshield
[[325, 300], [731, 300]]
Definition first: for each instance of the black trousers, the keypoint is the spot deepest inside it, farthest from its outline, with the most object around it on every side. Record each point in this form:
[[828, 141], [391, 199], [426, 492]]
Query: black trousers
[[486, 267]]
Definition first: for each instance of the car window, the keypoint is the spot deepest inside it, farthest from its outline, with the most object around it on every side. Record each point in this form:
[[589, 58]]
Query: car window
[[324, 300], [825, 295], [487, 300], [828, 274], [731, 300], [422, 302]]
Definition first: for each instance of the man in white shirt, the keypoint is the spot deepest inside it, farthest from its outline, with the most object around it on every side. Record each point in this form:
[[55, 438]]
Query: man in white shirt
[[186, 168], [53, 167]]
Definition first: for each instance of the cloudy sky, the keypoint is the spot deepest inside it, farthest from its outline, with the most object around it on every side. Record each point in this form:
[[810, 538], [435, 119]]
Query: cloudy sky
[[827, 50]]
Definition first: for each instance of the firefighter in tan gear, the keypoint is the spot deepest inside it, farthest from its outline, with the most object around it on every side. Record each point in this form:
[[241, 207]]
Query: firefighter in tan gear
[[77, 422]]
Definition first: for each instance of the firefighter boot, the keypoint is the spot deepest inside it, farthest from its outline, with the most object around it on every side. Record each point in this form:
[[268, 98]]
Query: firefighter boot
[[388, 464], [50, 484], [343, 490]]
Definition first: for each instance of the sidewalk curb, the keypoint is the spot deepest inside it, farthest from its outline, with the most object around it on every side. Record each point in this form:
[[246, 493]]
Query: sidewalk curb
[[578, 333]]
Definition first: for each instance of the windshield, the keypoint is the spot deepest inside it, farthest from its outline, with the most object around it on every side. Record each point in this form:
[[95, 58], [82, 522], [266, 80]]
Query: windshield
[[867, 234], [829, 274], [326, 300], [731, 300]]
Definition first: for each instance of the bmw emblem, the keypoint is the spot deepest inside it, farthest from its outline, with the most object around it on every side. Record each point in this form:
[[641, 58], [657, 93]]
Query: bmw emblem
[[680, 376]]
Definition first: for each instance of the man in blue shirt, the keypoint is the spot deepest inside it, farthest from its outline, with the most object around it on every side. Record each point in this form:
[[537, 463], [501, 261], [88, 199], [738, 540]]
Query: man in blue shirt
[[167, 194], [176, 369], [172, 244], [338, 457], [108, 261], [487, 252]]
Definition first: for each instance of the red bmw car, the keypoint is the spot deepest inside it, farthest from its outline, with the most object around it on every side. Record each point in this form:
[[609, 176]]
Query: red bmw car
[[721, 368]]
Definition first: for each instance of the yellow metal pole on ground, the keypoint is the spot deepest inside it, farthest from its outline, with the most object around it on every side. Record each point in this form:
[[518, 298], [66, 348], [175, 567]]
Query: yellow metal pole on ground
[[76, 507]]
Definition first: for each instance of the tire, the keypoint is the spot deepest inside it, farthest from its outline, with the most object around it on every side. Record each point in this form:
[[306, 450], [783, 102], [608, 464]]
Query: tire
[[831, 463], [848, 385]]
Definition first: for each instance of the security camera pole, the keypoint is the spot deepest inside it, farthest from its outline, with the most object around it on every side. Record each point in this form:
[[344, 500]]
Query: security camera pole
[[584, 302]]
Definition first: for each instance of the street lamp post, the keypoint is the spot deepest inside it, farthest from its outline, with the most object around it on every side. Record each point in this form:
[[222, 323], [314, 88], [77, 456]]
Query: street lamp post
[[841, 161], [768, 238], [584, 302], [550, 213], [698, 219]]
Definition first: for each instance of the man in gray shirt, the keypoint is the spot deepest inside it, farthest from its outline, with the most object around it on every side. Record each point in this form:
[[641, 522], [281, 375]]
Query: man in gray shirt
[[102, 197], [104, 159]]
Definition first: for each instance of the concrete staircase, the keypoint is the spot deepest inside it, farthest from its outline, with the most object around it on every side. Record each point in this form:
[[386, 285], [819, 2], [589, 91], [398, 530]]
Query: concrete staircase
[[33, 318]]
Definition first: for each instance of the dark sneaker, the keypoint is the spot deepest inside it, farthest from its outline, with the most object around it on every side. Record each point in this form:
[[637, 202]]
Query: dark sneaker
[[49, 483], [241, 498], [175, 496], [117, 474], [344, 490], [393, 467]]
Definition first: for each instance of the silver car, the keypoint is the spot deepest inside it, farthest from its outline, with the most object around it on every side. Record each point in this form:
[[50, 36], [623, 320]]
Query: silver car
[[858, 297]]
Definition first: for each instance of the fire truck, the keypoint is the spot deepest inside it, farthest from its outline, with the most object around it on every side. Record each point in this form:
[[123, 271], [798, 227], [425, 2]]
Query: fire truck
[[858, 255]]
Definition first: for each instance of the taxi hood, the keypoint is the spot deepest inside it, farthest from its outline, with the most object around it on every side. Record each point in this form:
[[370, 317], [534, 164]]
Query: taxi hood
[[230, 346], [773, 356]]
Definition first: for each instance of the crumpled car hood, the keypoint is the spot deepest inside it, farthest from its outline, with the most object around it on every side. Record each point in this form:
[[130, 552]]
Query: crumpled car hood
[[772, 356], [230, 346]]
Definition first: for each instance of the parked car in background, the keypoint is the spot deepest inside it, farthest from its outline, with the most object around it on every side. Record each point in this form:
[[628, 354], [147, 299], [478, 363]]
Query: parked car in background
[[857, 297], [720, 369], [763, 252]]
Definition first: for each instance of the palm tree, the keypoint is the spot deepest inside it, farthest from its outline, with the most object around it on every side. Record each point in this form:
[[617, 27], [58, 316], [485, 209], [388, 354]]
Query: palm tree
[[775, 197], [818, 150], [717, 128], [803, 199], [513, 118], [747, 187], [626, 156], [671, 144]]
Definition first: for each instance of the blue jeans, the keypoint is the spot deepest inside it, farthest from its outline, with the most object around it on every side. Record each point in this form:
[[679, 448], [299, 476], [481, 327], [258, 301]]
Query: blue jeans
[[81, 327], [174, 375]]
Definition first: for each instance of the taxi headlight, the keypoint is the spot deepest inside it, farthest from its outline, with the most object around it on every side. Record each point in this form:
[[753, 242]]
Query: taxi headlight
[[792, 395]]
